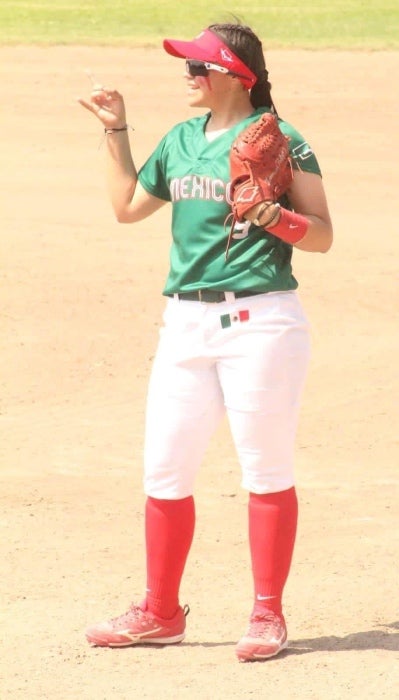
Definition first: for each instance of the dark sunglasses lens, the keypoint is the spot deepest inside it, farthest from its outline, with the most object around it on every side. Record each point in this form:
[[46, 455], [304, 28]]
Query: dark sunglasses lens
[[195, 68]]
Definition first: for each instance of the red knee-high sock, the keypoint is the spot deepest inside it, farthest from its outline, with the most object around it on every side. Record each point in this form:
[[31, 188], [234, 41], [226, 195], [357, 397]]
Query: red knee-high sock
[[169, 530], [272, 530]]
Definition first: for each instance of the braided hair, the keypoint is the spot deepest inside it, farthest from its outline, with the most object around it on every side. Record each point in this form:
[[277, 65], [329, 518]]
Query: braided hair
[[246, 45]]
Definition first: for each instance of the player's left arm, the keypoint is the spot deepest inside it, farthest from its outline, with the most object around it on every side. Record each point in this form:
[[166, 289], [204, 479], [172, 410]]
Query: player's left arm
[[307, 197]]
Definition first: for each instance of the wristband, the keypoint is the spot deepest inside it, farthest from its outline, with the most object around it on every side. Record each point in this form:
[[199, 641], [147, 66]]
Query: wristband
[[291, 227]]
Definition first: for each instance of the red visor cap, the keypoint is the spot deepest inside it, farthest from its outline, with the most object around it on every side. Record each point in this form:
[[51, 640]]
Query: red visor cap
[[209, 48]]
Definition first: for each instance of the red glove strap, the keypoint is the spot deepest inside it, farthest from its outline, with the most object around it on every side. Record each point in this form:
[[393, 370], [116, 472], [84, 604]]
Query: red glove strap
[[291, 227]]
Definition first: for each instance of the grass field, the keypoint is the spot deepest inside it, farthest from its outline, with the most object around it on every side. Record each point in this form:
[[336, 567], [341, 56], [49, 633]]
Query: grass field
[[345, 24]]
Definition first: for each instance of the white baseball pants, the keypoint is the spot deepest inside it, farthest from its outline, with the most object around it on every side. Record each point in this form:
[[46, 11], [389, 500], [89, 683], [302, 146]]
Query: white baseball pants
[[244, 357]]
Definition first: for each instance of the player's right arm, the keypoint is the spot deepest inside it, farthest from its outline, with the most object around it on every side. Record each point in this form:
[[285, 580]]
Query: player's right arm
[[130, 201]]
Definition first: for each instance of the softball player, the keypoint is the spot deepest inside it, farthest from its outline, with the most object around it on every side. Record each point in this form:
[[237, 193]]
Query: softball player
[[234, 338]]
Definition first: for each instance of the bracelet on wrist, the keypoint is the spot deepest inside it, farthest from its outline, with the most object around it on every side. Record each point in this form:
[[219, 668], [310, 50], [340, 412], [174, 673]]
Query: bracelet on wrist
[[274, 216], [114, 130], [263, 207]]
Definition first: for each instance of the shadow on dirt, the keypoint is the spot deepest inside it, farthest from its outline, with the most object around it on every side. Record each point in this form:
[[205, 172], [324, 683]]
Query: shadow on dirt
[[358, 641]]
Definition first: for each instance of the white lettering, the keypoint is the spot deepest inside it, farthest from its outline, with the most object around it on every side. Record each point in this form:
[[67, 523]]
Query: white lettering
[[218, 184], [197, 191], [228, 193], [174, 189], [199, 187], [184, 185]]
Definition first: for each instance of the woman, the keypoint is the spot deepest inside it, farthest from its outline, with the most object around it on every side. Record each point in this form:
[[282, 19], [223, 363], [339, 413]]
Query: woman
[[234, 339]]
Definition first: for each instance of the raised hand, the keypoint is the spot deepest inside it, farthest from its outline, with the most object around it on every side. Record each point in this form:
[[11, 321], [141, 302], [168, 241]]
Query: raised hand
[[106, 104]]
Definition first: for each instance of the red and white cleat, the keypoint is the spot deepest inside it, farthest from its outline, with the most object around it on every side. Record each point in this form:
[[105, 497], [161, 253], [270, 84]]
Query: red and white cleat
[[266, 637], [138, 626]]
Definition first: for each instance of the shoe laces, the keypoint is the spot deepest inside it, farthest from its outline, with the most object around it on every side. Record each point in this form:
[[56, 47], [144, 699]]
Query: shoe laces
[[133, 612], [262, 623]]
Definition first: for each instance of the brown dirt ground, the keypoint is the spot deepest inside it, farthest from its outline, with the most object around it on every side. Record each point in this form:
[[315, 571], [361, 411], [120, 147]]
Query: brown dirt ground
[[81, 304]]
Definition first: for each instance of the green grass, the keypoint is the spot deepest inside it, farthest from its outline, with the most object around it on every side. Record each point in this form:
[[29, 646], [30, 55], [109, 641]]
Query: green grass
[[351, 24]]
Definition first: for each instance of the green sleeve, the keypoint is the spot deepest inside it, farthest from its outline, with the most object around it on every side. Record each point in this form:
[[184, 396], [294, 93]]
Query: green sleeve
[[302, 156]]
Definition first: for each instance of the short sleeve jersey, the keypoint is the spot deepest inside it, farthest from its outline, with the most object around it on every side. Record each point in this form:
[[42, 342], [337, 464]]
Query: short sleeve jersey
[[193, 174]]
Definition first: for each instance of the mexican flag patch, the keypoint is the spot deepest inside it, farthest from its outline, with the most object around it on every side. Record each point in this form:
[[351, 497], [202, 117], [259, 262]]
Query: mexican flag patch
[[226, 320]]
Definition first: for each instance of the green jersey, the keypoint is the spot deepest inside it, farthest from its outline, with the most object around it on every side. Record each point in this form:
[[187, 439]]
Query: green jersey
[[194, 175]]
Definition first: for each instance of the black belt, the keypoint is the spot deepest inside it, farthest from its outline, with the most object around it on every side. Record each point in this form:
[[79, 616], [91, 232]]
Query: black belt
[[211, 296]]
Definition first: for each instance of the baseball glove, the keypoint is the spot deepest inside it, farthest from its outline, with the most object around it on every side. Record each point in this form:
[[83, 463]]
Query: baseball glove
[[260, 166]]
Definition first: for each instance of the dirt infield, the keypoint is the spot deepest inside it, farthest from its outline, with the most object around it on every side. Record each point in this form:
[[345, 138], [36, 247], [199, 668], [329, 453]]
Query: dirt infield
[[81, 304]]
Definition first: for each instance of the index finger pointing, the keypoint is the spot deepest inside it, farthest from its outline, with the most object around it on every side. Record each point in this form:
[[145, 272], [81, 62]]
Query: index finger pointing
[[94, 81]]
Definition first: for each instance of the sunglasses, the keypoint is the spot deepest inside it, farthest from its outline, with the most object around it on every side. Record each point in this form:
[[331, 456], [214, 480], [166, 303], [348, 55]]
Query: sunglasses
[[200, 68]]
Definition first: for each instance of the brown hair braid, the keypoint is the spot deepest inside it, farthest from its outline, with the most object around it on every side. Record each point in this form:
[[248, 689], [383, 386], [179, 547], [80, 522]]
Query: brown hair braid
[[246, 45]]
